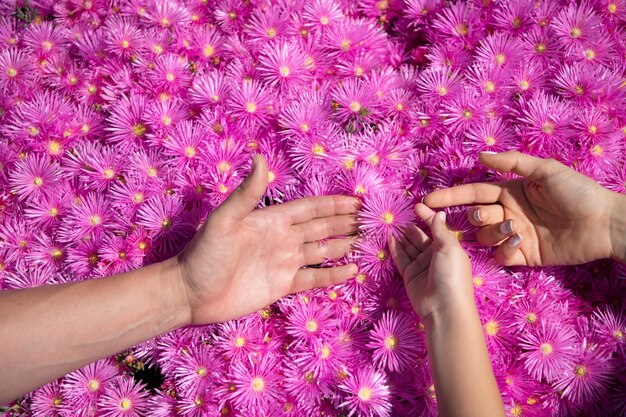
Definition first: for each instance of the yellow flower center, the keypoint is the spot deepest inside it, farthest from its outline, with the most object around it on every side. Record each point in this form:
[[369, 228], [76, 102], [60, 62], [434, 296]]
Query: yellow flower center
[[462, 29], [325, 352], [500, 59], [208, 51], [250, 107], [271, 32], [271, 176], [388, 218], [240, 341], [355, 107], [442, 91], [284, 71], [524, 85], [57, 402], [548, 128], [12, 72], [576, 33], [38, 181], [345, 44], [93, 385], [612, 7], [597, 150], [365, 394], [125, 44], [531, 318], [201, 371], [258, 384], [391, 342], [95, 220], [190, 151], [324, 20], [311, 326], [53, 212], [580, 370], [56, 253], [490, 140], [318, 149], [478, 281], [125, 404], [490, 86], [381, 255], [109, 173], [546, 348], [139, 129], [492, 328], [170, 77]]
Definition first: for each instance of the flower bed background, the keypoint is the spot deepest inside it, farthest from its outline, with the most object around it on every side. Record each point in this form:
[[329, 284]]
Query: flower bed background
[[123, 124]]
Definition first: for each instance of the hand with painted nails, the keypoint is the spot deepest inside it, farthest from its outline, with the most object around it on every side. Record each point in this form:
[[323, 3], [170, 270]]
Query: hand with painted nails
[[552, 215], [437, 272], [245, 259]]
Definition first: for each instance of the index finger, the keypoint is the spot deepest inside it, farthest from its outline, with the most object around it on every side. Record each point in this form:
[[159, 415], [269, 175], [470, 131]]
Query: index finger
[[308, 208], [478, 193]]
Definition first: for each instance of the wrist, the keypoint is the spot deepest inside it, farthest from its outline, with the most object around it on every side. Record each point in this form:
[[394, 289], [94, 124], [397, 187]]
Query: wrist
[[461, 311], [176, 301], [617, 226]]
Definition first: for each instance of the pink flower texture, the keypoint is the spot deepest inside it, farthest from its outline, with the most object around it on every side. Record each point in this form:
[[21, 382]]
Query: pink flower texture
[[123, 124]]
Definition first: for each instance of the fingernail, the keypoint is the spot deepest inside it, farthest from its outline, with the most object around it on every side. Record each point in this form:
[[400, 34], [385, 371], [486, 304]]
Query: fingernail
[[422, 200], [489, 153], [476, 215], [442, 215], [506, 227], [515, 240], [254, 162]]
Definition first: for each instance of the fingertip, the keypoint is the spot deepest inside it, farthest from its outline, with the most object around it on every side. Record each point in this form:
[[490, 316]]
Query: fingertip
[[352, 269], [508, 253], [423, 211]]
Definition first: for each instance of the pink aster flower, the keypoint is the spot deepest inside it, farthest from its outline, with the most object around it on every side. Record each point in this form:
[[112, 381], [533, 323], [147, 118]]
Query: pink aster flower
[[123, 398], [118, 255], [89, 217], [84, 258], [367, 393], [586, 379], [499, 50], [490, 135], [362, 180], [283, 64], [576, 24], [308, 321], [48, 400], [460, 21], [393, 341], [549, 350], [167, 14], [209, 89], [183, 143], [548, 121], [36, 176], [126, 123], [256, 382], [170, 74], [162, 115], [16, 69], [237, 339], [373, 255], [440, 85], [196, 369], [355, 100], [85, 386], [161, 215], [249, 104], [45, 39], [123, 37], [385, 214], [312, 152], [514, 17]]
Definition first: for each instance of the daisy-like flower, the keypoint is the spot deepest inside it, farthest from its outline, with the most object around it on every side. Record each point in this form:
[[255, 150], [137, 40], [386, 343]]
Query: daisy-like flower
[[208, 45], [250, 105], [362, 180], [490, 135], [549, 350], [385, 214], [311, 152], [48, 400], [162, 115], [161, 216], [85, 386], [283, 64], [209, 89], [460, 21], [440, 85], [528, 79], [324, 358], [34, 177], [374, 255], [547, 120], [448, 57], [514, 17], [354, 100], [35, 277], [322, 14], [90, 217], [586, 379], [267, 25], [304, 117], [308, 321], [168, 14], [127, 121], [124, 398], [576, 25], [170, 74], [123, 38], [393, 341], [118, 255], [184, 142], [16, 69], [236, 339], [611, 328], [45, 39], [498, 50], [366, 393], [465, 112], [256, 382], [196, 369]]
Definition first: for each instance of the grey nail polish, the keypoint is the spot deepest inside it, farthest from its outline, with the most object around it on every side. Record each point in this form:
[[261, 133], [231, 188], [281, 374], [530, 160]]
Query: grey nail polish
[[506, 227], [515, 240], [489, 152], [476, 215]]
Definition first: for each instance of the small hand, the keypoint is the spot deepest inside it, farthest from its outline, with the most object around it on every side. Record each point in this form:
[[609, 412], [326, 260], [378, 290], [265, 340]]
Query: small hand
[[244, 259], [553, 215], [437, 272]]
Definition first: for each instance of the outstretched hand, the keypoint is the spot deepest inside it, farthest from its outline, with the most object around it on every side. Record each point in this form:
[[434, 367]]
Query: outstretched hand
[[553, 215], [244, 259]]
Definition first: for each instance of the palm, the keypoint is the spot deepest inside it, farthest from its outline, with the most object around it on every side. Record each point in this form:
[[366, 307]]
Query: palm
[[556, 212], [244, 259]]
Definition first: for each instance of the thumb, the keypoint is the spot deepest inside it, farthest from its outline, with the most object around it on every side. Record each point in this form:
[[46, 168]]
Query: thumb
[[441, 234], [516, 162], [246, 197]]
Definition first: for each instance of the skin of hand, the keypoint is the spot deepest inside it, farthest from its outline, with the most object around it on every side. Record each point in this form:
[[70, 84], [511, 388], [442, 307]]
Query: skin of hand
[[552, 215], [244, 259], [438, 278], [241, 260]]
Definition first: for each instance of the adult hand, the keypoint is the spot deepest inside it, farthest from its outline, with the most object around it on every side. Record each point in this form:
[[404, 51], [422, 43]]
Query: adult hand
[[553, 215], [244, 259], [437, 272]]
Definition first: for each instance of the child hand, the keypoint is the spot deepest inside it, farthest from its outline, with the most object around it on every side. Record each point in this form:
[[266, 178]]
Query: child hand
[[437, 272]]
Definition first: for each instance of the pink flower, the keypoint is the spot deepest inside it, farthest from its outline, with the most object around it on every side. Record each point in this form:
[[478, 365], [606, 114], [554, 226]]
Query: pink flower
[[393, 341], [34, 177], [123, 398], [256, 382], [549, 350], [367, 393], [386, 214], [586, 379]]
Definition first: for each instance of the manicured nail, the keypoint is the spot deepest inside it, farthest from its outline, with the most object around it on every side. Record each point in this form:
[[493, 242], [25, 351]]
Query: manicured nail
[[254, 161], [422, 200], [515, 240], [441, 215], [476, 215], [506, 227], [489, 152]]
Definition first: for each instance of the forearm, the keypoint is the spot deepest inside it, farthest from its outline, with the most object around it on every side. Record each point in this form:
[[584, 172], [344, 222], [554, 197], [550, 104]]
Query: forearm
[[464, 381], [49, 331], [618, 227]]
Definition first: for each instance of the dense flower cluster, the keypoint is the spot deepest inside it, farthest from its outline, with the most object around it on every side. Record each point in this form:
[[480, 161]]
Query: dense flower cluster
[[124, 123]]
